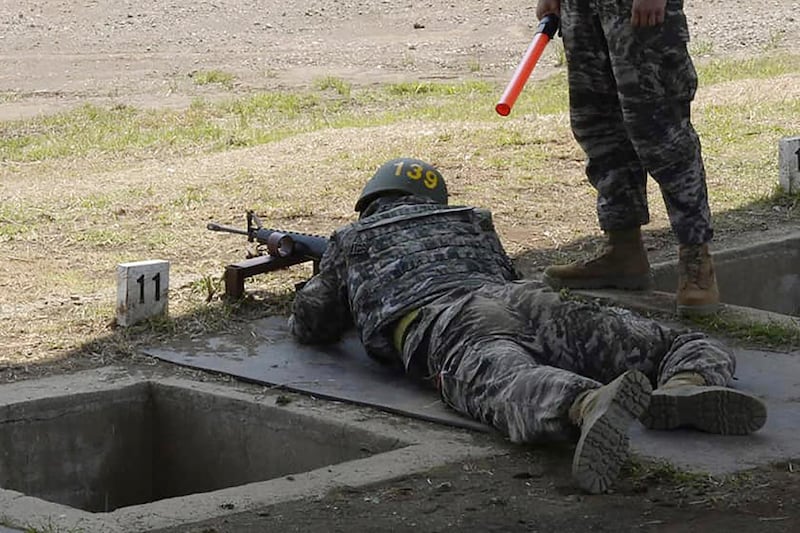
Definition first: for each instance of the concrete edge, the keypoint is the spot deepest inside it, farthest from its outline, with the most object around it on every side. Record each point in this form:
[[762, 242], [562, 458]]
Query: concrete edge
[[316, 483], [663, 303], [427, 445], [737, 252]]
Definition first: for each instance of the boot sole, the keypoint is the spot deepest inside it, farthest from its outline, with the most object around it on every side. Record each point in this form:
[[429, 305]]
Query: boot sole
[[603, 446], [717, 410], [630, 283]]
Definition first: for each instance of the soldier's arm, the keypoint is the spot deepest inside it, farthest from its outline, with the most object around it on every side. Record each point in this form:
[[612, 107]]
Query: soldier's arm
[[320, 312]]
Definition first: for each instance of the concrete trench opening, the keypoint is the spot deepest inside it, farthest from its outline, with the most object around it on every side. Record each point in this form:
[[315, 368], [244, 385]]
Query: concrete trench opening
[[149, 441], [120, 452], [764, 276]]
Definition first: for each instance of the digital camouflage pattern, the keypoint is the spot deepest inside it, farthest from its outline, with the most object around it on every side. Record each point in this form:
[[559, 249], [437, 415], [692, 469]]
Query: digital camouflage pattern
[[502, 351], [630, 93], [515, 355], [399, 257]]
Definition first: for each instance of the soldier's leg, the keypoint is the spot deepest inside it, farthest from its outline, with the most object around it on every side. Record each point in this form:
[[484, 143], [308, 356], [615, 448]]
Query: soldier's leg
[[693, 390], [612, 165], [486, 372], [481, 354], [692, 371], [601, 342], [657, 81], [498, 382]]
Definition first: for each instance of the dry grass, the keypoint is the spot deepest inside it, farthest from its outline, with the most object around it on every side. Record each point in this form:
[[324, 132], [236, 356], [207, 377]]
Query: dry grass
[[67, 219]]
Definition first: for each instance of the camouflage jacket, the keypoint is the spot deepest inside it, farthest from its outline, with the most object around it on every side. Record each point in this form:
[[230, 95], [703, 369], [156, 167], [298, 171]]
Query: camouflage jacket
[[401, 255]]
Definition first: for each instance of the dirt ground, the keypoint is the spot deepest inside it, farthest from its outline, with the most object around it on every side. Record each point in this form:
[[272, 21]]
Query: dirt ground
[[57, 54], [526, 491]]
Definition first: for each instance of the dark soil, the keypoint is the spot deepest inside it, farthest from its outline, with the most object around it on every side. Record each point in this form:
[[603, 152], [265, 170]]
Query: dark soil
[[530, 490]]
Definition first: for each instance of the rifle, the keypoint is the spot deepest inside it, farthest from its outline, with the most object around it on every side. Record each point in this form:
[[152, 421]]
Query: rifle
[[283, 249]]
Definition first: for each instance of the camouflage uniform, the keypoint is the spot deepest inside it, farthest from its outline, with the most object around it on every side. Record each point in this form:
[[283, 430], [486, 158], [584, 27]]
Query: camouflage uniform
[[630, 100], [501, 350]]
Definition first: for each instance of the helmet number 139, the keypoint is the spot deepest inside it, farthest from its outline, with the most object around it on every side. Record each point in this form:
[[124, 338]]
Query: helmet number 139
[[430, 178]]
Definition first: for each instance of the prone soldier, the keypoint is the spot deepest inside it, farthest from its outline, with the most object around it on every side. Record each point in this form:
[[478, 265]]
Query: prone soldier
[[430, 286]]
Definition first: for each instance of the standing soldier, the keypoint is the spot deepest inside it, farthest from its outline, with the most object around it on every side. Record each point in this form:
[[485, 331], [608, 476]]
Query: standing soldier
[[430, 286], [631, 83]]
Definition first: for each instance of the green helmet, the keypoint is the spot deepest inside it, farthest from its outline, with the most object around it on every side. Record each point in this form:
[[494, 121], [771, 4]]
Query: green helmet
[[404, 175]]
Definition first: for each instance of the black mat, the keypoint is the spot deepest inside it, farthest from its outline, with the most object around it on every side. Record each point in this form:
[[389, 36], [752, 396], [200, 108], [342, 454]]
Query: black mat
[[269, 355]]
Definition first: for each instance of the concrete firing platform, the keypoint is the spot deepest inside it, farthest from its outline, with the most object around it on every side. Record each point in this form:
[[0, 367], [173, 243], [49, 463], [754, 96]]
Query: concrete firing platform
[[267, 354]]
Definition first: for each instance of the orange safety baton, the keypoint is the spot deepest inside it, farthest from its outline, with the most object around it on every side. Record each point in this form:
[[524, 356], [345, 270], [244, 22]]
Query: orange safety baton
[[544, 33]]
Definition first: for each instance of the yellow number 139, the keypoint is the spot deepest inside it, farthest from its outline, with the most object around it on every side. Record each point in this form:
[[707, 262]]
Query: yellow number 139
[[430, 178]]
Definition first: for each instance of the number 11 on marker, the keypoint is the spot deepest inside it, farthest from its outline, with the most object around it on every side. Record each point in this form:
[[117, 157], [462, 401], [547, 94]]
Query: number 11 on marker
[[156, 281]]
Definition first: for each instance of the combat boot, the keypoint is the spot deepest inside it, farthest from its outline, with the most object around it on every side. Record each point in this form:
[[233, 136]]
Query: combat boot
[[622, 264], [697, 283], [686, 401], [604, 415]]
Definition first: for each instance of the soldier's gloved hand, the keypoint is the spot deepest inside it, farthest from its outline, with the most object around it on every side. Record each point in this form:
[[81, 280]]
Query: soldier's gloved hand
[[548, 7], [647, 13]]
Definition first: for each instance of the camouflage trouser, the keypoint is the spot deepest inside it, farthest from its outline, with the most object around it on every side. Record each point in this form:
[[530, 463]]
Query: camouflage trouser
[[515, 356], [630, 99]]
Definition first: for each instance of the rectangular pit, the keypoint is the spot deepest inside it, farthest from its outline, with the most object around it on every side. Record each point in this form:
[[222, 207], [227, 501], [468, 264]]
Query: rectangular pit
[[146, 442], [764, 276], [104, 450]]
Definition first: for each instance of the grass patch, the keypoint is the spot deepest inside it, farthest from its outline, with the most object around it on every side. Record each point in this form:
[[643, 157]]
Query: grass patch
[[559, 52], [662, 472], [96, 201], [762, 333], [337, 84], [759, 67], [740, 148], [523, 151], [416, 88], [101, 237], [16, 220], [699, 48], [95, 130], [646, 474], [209, 77], [124, 131], [270, 116], [191, 197], [8, 96]]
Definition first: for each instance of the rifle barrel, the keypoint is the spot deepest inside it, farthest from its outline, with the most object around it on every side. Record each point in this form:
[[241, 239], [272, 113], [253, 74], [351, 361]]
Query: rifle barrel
[[213, 226]]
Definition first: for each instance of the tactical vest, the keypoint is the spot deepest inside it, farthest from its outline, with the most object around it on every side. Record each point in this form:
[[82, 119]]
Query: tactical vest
[[404, 257]]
